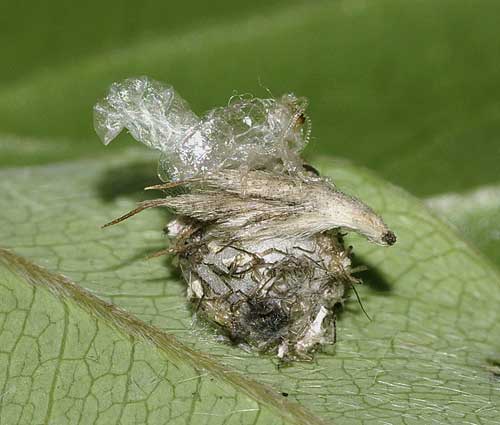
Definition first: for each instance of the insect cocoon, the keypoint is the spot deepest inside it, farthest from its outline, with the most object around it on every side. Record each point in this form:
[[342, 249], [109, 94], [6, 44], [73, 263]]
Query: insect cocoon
[[257, 232]]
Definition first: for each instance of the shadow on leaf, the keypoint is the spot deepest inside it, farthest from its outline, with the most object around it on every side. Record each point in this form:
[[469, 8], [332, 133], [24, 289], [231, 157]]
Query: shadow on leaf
[[372, 277], [128, 180]]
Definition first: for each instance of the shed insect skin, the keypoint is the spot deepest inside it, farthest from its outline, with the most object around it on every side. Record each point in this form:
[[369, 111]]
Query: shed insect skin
[[256, 300], [258, 233], [266, 205]]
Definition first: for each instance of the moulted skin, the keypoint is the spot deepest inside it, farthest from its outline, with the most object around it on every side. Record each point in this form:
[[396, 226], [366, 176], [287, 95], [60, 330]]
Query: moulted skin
[[257, 232], [264, 258], [274, 295]]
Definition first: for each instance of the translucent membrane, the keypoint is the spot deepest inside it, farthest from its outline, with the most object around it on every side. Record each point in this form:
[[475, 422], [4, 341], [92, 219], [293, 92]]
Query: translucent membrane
[[249, 133]]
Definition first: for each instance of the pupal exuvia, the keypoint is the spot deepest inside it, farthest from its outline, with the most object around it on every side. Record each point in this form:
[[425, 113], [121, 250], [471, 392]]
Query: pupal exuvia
[[258, 232]]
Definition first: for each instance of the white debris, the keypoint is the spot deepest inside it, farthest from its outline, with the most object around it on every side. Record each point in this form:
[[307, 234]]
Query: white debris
[[314, 335], [195, 290], [175, 227]]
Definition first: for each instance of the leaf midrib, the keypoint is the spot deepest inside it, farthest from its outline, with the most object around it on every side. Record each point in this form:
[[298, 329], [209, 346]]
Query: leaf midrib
[[62, 288]]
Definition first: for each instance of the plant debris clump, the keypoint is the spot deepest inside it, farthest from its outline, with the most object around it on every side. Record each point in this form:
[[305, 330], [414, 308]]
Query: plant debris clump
[[258, 233], [273, 295]]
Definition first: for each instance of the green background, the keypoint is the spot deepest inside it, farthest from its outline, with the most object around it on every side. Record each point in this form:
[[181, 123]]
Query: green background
[[408, 90]]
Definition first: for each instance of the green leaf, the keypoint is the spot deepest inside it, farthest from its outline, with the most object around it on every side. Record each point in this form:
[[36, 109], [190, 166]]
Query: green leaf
[[428, 355], [69, 357], [408, 89], [475, 214]]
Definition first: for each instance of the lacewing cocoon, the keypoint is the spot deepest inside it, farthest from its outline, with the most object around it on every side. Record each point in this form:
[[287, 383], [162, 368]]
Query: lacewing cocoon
[[257, 232]]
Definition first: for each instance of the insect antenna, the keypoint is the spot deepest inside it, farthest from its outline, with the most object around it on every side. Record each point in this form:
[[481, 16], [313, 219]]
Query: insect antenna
[[142, 206], [360, 303]]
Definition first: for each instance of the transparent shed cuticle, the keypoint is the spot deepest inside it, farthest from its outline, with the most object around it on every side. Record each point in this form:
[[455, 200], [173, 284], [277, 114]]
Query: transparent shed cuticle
[[258, 233]]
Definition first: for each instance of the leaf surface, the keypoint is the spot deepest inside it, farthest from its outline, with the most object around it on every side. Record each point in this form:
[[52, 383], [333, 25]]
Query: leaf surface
[[428, 355], [475, 214], [69, 357]]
